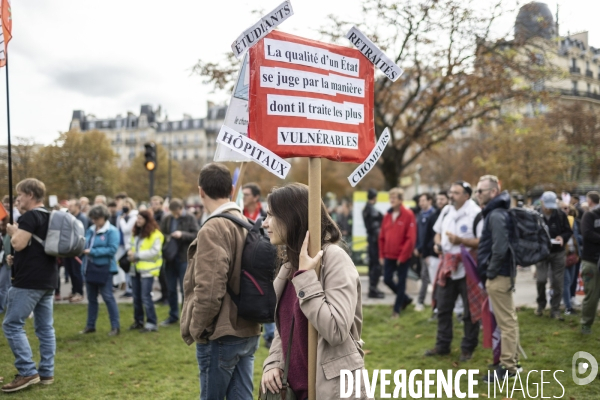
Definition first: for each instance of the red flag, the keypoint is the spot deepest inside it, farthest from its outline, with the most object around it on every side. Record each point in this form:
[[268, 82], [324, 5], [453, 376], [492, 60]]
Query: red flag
[[6, 32], [3, 212]]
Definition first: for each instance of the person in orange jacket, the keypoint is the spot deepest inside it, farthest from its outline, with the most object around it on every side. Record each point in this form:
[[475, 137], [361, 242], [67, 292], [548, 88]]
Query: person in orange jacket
[[397, 240]]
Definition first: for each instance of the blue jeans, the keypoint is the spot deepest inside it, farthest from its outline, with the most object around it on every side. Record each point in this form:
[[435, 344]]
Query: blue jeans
[[226, 368], [269, 331], [106, 292], [389, 268], [4, 286], [569, 276], [175, 273], [142, 301], [21, 302]]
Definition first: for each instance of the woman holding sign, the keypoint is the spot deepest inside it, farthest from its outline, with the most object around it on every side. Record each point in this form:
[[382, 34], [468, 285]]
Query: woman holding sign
[[330, 302]]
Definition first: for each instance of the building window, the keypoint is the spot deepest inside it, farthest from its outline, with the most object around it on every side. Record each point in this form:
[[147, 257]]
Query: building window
[[184, 154], [196, 123], [184, 125], [143, 136], [118, 124], [589, 88], [175, 125], [196, 153], [118, 137], [185, 139], [164, 141], [92, 125], [574, 63], [175, 155], [574, 87], [131, 154]]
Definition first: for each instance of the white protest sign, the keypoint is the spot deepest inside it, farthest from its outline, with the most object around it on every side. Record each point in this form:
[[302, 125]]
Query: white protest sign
[[252, 35], [237, 115], [364, 168], [253, 151], [374, 54]]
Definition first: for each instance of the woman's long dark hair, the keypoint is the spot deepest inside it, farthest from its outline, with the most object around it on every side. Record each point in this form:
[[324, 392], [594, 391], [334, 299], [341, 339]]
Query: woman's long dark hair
[[149, 227], [289, 205]]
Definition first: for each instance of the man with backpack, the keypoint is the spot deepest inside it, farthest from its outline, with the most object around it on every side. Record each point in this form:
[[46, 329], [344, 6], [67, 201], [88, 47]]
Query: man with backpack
[[225, 342], [34, 278], [590, 272], [495, 267], [554, 265]]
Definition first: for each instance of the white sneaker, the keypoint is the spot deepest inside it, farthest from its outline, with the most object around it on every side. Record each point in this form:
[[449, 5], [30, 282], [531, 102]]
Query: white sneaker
[[419, 307], [575, 302]]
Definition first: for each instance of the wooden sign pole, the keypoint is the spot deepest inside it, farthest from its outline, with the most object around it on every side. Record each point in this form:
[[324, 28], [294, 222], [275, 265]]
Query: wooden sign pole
[[238, 183], [314, 246]]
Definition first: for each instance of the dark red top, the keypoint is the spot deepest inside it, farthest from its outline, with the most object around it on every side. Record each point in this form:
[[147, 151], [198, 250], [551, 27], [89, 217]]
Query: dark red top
[[397, 238], [288, 306]]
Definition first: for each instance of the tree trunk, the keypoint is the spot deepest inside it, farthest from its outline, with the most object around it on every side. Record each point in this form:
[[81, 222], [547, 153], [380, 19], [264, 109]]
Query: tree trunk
[[391, 167]]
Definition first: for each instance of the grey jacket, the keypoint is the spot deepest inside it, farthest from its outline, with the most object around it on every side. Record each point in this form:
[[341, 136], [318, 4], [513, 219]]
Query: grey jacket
[[333, 306]]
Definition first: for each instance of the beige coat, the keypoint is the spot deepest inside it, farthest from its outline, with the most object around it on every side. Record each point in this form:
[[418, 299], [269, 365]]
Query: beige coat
[[333, 306], [214, 261]]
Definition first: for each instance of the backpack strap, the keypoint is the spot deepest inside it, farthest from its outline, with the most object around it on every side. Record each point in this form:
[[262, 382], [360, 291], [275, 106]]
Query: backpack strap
[[235, 220], [34, 236]]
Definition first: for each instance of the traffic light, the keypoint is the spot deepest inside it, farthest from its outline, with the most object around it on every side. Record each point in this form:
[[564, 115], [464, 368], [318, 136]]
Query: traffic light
[[150, 161]]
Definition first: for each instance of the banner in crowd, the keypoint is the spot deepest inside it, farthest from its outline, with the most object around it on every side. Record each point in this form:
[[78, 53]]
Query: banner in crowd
[[374, 54], [311, 99]]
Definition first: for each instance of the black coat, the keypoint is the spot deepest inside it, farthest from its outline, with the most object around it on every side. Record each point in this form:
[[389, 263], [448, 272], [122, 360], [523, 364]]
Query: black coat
[[590, 230], [188, 226]]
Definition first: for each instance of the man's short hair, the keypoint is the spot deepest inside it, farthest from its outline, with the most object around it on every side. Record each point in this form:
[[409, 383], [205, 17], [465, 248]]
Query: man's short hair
[[254, 188], [99, 211], [594, 196], [443, 193], [215, 181], [76, 202], [121, 196], [101, 197], [176, 204], [112, 204], [157, 198], [33, 187], [427, 195], [466, 187], [398, 192], [493, 179]]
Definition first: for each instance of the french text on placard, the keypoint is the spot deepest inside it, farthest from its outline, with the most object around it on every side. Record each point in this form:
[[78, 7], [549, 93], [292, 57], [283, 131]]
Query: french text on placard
[[310, 56], [257, 153], [374, 54], [317, 109], [303, 81], [252, 35], [316, 137], [364, 168]]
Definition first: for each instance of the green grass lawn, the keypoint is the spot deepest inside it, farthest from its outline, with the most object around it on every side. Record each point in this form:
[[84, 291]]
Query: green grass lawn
[[161, 366]]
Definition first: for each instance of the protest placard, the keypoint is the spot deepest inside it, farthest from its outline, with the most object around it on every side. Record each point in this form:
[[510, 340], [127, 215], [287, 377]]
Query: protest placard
[[311, 99], [252, 35], [374, 54]]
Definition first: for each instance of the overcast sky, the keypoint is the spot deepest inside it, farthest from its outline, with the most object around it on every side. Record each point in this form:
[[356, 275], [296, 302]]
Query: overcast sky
[[109, 57]]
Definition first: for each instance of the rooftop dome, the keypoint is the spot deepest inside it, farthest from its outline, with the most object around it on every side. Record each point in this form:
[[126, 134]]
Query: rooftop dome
[[534, 20]]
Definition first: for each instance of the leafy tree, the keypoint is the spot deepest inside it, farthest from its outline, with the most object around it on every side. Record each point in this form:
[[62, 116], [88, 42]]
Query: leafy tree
[[525, 155], [78, 164], [24, 165], [578, 123]]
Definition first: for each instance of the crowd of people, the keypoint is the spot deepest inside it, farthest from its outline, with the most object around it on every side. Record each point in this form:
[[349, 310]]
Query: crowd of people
[[199, 260], [434, 235]]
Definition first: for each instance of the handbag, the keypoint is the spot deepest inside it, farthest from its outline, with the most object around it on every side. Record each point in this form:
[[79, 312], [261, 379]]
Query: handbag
[[572, 259], [171, 250], [124, 263], [286, 392], [97, 274]]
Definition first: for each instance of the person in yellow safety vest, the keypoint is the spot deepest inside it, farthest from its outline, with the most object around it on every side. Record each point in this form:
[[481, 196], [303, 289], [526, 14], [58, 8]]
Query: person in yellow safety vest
[[146, 258]]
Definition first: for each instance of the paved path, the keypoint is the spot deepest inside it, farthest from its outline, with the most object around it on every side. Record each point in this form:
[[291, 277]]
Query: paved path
[[525, 293]]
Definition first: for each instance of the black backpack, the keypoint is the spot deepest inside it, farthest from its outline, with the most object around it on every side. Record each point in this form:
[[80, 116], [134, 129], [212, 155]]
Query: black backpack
[[530, 238], [256, 300]]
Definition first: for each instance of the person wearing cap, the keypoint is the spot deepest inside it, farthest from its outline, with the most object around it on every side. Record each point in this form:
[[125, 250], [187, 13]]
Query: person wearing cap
[[372, 219], [554, 265], [454, 228]]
